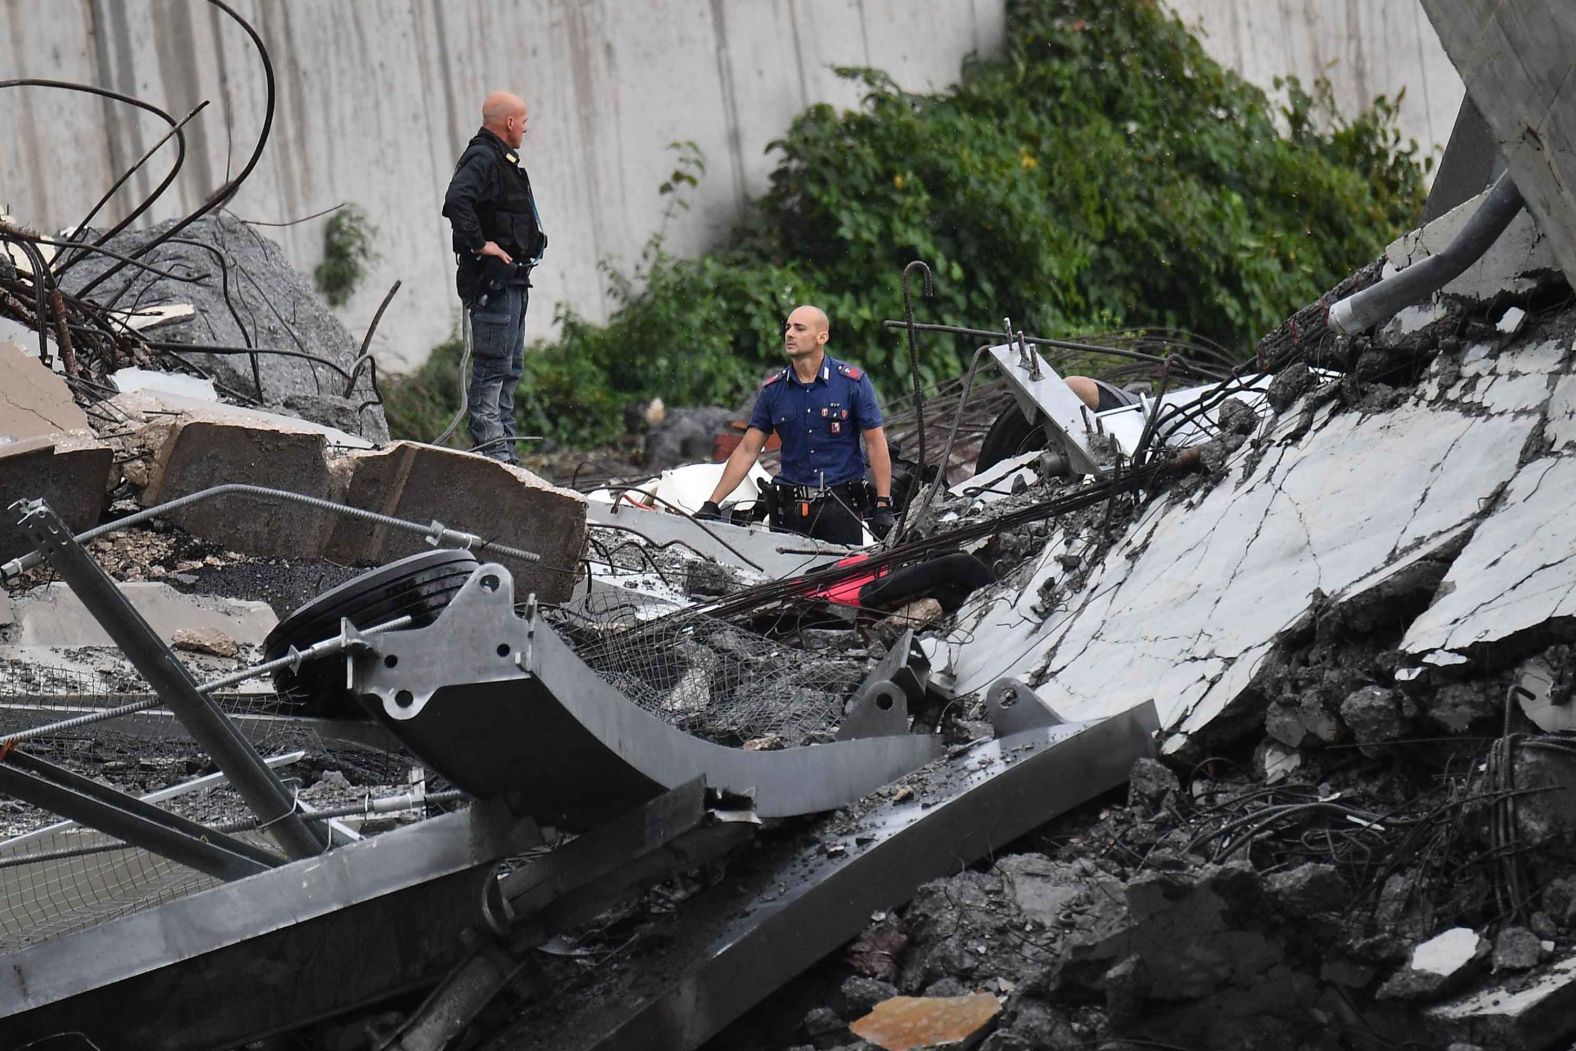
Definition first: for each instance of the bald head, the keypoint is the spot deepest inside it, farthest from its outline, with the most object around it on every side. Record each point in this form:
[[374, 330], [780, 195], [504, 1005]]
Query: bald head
[[805, 332], [813, 315], [503, 114]]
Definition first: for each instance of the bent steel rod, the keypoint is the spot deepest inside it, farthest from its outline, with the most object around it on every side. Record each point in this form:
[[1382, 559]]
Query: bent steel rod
[[1059, 344]]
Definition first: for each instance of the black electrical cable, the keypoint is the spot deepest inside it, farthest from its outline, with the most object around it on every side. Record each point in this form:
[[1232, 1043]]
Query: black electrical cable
[[365, 354], [907, 522], [224, 281], [1062, 344], [41, 283], [125, 260]]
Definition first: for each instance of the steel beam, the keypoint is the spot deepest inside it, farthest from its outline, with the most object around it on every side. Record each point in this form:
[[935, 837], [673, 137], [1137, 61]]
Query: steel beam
[[756, 932], [501, 706], [157, 663], [288, 946], [128, 818], [15, 844], [556, 891]]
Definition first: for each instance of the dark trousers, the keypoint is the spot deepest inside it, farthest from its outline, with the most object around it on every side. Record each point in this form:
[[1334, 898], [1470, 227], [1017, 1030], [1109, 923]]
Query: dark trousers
[[833, 518], [497, 363]]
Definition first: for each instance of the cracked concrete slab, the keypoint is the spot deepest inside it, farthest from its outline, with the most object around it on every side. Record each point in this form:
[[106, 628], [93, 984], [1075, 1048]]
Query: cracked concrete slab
[[34, 402], [1517, 572], [1188, 605], [1509, 265]]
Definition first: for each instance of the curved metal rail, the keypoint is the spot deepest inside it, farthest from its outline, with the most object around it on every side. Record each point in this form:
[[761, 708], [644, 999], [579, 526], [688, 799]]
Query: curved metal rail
[[499, 705]]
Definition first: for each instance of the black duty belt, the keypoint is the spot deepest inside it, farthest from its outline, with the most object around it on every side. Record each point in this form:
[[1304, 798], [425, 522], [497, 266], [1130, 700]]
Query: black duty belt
[[812, 493]]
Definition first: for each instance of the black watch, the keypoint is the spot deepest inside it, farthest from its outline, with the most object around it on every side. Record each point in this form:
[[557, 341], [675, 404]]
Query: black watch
[[884, 501]]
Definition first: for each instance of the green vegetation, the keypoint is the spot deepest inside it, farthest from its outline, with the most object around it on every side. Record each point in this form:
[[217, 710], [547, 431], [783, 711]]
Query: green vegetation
[[1104, 172], [347, 248]]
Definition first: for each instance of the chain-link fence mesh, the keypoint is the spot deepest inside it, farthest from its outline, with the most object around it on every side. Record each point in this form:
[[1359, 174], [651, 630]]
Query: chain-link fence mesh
[[57, 877], [718, 681]]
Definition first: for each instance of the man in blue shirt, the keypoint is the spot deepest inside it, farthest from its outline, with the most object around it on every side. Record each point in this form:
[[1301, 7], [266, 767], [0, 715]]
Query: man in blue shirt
[[820, 407]]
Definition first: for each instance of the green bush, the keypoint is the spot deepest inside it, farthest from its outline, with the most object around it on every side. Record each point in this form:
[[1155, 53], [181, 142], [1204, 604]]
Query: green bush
[[421, 404], [1103, 172], [347, 248]]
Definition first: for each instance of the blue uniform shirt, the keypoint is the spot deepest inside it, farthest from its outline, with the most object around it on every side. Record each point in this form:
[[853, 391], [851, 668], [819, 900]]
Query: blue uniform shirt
[[819, 422]]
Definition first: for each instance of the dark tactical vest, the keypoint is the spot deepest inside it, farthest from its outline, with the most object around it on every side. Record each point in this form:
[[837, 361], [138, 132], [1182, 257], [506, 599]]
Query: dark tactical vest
[[511, 220]]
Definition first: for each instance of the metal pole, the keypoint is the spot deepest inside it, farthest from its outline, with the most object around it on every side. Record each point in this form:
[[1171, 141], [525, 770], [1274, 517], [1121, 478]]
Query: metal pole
[[128, 818], [264, 793]]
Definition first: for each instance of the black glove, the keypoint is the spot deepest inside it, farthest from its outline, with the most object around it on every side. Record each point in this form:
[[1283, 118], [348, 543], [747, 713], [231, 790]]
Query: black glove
[[881, 520], [709, 512]]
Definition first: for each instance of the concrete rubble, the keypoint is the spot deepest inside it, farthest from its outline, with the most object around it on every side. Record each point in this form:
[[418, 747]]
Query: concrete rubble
[[47, 446], [1327, 616], [612, 777], [261, 301]]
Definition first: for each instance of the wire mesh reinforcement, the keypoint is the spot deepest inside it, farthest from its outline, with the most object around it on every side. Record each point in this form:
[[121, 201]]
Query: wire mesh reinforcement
[[721, 682], [57, 877]]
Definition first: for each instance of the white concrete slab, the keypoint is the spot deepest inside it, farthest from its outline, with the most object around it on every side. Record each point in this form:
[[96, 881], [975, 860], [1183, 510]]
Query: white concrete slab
[[997, 480], [1187, 606], [1518, 570], [196, 388], [53, 616]]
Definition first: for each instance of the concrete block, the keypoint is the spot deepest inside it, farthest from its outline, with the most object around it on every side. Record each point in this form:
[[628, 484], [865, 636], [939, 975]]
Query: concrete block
[[165, 401], [196, 453], [53, 616], [34, 402], [508, 504], [70, 471], [1437, 966]]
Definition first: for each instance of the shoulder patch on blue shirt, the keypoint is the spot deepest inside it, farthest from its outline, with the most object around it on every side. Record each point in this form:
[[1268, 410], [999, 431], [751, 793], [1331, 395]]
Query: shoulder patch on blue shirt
[[773, 378], [853, 372]]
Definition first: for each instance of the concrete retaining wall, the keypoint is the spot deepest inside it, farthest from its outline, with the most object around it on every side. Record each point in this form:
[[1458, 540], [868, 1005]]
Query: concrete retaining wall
[[376, 98]]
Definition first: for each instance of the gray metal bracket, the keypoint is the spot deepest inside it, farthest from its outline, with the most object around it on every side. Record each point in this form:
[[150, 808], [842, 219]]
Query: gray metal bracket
[[268, 798], [1011, 707], [880, 707], [1043, 395]]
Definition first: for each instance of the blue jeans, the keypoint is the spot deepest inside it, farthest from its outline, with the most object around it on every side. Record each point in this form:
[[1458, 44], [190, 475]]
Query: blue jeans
[[497, 363]]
